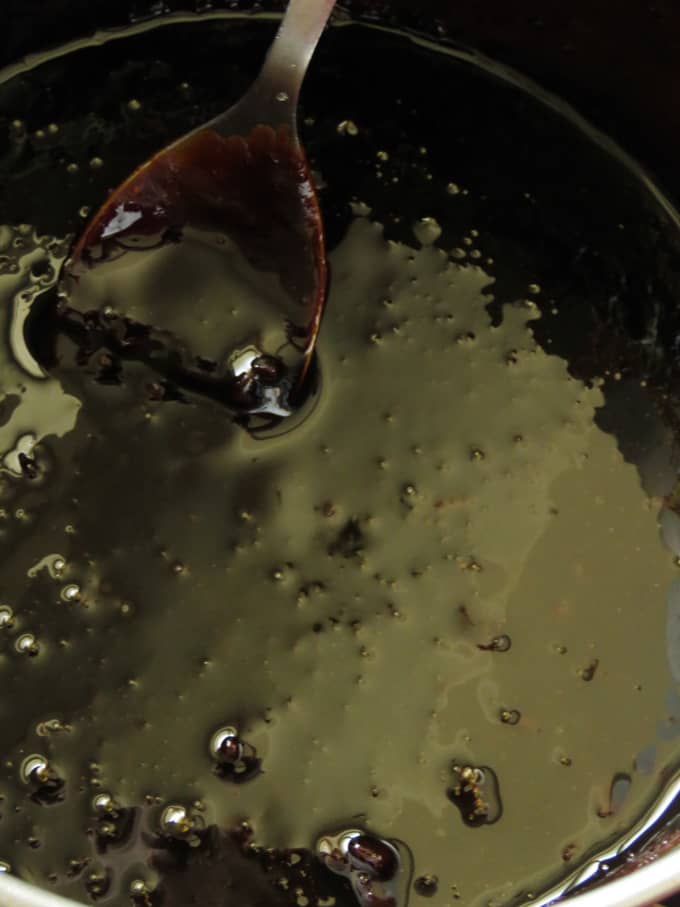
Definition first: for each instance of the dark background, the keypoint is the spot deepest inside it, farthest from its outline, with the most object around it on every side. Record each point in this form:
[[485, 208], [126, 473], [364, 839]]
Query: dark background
[[618, 61]]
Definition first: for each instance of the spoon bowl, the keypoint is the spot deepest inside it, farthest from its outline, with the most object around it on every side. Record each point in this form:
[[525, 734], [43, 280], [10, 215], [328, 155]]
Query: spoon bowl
[[234, 199]]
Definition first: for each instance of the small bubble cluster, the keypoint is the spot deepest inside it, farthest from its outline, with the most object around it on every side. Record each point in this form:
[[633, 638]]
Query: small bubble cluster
[[476, 794], [372, 865]]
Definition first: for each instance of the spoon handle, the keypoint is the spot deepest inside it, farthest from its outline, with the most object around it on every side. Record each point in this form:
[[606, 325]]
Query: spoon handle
[[288, 58]]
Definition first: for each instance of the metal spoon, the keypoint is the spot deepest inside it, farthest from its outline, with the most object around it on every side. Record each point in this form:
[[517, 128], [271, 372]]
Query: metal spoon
[[233, 199]]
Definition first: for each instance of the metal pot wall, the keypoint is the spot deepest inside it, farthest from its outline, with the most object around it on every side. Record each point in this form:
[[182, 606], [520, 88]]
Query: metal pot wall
[[616, 63]]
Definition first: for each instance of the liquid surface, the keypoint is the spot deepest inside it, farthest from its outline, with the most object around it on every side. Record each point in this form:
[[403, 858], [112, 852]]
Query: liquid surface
[[436, 611]]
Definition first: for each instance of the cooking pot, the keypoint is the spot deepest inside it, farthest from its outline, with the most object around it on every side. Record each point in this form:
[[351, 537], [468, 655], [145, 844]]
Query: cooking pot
[[618, 65]]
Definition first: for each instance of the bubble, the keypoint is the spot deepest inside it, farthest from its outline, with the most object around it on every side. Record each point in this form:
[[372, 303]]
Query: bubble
[[52, 726], [53, 129], [96, 163], [427, 231], [426, 886], [236, 760], [409, 495], [226, 745], [27, 644], [97, 884], [107, 830], [282, 96], [534, 289], [348, 127], [84, 212], [34, 769], [55, 564], [382, 156], [71, 593], [510, 716], [72, 167], [103, 803], [6, 617], [453, 189], [134, 105], [175, 821], [139, 889], [338, 844]]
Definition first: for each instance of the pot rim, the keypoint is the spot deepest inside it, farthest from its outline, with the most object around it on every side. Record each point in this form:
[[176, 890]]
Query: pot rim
[[646, 885]]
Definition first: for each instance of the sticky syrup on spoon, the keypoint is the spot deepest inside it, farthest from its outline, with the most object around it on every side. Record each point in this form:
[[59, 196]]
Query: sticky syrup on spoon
[[219, 241]]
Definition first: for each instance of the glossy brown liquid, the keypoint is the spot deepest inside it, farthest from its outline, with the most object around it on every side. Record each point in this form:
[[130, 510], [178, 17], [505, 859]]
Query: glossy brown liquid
[[421, 644]]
